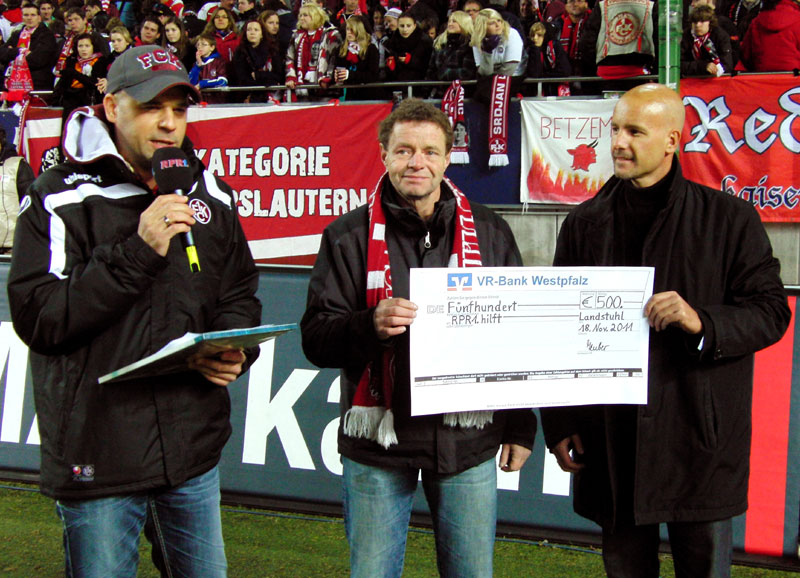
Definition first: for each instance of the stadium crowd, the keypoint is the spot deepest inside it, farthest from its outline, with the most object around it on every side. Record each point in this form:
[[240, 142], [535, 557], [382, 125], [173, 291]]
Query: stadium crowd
[[319, 49]]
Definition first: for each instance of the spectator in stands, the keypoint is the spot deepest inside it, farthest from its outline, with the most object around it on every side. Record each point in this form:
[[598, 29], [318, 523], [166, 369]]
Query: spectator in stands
[[452, 57], [423, 12], [77, 25], [151, 31], [206, 12], [17, 177], [529, 13], [379, 38], [273, 29], [390, 21], [120, 42], [223, 28], [740, 13], [80, 79], [12, 14], [626, 56], [97, 18], [176, 6], [358, 61], [258, 60], [247, 11], [410, 51], [705, 47], [570, 26], [52, 17], [209, 70], [349, 9], [429, 27], [162, 12], [723, 22], [498, 49], [472, 7], [33, 47], [546, 59], [286, 19], [178, 42], [772, 42], [312, 52], [127, 13], [501, 7]]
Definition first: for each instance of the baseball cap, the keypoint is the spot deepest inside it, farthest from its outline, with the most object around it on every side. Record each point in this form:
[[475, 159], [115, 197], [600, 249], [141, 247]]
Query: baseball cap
[[161, 10], [145, 72]]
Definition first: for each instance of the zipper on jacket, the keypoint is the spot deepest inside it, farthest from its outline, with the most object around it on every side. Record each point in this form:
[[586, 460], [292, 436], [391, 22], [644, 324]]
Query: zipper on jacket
[[427, 239]]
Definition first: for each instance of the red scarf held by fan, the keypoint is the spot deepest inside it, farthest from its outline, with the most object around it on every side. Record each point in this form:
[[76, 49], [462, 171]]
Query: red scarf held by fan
[[304, 64], [498, 121], [453, 107], [371, 414]]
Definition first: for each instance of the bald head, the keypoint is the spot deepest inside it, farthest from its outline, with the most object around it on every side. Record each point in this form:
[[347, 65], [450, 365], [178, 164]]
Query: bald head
[[645, 133], [659, 99]]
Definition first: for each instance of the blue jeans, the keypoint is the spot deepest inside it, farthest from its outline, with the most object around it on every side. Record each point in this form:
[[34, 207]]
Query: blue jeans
[[101, 536], [377, 510], [699, 550]]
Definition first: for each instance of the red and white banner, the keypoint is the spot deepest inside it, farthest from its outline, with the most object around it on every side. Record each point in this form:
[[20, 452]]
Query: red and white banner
[[566, 155], [742, 135], [293, 169]]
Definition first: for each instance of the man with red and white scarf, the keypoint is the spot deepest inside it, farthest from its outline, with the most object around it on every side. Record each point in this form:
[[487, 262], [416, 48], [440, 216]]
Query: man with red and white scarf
[[358, 319], [34, 43], [570, 27]]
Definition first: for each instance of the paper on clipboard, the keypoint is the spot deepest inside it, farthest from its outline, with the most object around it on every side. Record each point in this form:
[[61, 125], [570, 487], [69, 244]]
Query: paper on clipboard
[[173, 356]]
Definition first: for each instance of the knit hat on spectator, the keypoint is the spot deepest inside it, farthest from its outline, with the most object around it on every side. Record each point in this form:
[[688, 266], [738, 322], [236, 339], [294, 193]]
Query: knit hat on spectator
[[145, 72], [161, 10], [393, 13]]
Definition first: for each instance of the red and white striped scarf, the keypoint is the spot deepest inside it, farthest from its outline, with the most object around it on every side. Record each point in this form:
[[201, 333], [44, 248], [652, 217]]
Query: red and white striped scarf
[[453, 107], [371, 414], [498, 121], [704, 45]]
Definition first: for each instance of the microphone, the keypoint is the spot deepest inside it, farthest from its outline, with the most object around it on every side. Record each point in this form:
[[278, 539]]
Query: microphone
[[173, 175]]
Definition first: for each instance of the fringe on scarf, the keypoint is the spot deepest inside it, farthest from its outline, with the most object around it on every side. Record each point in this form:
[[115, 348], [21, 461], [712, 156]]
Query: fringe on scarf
[[372, 423], [459, 157], [476, 419], [498, 160]]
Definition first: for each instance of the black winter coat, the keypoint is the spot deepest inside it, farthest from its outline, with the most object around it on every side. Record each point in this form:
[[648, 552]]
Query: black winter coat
[[453, 61], [337, 330], [89, 296], [692, 439], [722, 45], [41, 59], [418, 46]]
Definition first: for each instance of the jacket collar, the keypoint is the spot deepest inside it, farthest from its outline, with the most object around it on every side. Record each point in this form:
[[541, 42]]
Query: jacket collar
[[88, 137], [599, 212]]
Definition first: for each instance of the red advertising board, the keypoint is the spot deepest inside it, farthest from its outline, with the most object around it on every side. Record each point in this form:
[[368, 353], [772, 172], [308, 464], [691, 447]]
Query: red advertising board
[[742, 135]]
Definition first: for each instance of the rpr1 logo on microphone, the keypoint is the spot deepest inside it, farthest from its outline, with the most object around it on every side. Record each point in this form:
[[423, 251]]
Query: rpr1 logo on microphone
[[172, 163], [459, 281]]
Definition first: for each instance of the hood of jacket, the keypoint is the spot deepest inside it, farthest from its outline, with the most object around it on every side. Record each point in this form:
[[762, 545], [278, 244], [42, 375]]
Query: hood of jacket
[[88, 137], [785, 15]]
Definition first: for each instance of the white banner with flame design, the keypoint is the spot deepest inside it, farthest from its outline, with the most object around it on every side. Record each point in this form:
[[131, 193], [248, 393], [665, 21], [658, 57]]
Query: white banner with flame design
[[566, 149]]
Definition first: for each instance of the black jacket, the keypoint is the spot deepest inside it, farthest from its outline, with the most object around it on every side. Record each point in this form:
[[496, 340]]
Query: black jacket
[[337, 330], [453, 61], [690, 445], [366, 70], [722, 46], [418, 47], [41, 59], [88, 296]]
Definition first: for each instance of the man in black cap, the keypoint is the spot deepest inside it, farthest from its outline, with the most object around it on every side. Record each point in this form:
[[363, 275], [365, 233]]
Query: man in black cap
[[102, 283]]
